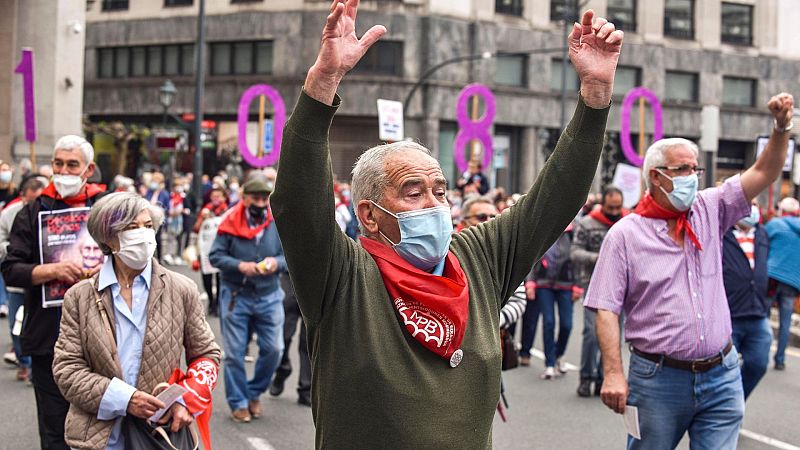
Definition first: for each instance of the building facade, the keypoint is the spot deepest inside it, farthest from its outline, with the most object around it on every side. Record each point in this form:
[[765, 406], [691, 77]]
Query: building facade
[[54, 30], [690, 53]]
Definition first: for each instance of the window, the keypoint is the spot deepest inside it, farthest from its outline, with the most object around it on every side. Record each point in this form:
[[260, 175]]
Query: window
[[572, 85], [681, 86], [626, 79], [241, 58], [737, 24], [383, 58], [623, 14], [561, 9], [114, 5], [178, 3], [510, 7], [679, 18], [511, 70], [142, 61], [738, 91]]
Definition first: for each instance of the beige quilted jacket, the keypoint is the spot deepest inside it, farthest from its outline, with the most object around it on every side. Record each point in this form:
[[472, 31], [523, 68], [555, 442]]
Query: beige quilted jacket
[[84, 363]]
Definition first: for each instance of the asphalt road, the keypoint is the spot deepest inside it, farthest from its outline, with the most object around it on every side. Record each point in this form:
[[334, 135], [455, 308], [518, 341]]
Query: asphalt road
[[543, 414]]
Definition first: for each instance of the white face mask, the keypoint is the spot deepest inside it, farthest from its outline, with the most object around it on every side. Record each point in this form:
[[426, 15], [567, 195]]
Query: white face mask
[[136, 247], [69, 185]]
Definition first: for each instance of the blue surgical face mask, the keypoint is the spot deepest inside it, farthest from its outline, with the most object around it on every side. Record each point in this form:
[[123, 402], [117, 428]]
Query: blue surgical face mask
[[752, 220], [684, 191], [425, 235]]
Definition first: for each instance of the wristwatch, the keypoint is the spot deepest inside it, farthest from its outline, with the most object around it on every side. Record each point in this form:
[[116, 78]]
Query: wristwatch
[[784, 129]]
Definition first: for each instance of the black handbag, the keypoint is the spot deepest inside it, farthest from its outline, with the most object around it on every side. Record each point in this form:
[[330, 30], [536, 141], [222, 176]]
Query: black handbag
[[140, 434], [510, 360]]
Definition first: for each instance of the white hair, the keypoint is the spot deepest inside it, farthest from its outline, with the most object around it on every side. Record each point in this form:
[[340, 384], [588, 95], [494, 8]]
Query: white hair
[[369, 172], [71, 142], [656, 155]]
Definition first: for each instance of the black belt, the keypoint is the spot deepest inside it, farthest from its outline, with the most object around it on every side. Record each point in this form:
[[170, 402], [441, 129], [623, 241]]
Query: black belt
[[695, 366]]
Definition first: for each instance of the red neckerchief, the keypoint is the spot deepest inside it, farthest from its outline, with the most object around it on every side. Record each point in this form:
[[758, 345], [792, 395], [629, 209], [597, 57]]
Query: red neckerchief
[[217, 210], [16, 200], [649, 208], [199, 381], [434, 309], [90, 190], [597, 214], [235, 223]]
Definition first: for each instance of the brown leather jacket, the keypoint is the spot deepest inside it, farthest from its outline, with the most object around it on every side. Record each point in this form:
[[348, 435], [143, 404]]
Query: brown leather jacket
[[84, 362]]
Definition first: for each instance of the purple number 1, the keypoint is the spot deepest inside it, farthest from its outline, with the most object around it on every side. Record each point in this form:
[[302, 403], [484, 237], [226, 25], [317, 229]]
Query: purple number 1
[[25, 68]]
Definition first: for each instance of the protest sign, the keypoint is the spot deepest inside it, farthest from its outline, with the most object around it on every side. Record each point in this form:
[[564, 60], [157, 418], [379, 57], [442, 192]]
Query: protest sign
[[205, 238]]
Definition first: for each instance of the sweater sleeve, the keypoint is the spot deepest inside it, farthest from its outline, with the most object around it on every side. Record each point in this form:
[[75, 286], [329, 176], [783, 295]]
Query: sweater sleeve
[[317, 252], [525, 231]]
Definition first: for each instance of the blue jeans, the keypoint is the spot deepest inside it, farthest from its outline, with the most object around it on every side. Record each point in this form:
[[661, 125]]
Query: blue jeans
[[547, 299], [15, 300], [530, 320], [785, 296], [709, 405], [264, 316], [591, 365], [3, 292], [752, 337]]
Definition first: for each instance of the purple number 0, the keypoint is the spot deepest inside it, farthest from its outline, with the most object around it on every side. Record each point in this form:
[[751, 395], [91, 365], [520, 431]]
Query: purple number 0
[[474, 130], [625, 125], [244, 112], [25, 68]]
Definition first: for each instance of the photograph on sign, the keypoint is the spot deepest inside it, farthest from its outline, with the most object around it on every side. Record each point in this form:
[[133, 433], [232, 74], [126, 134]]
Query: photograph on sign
[[628, 179], [787, 165], [63, 237]]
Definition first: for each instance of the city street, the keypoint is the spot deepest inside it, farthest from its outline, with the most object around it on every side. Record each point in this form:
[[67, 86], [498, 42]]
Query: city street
[[543, 414]]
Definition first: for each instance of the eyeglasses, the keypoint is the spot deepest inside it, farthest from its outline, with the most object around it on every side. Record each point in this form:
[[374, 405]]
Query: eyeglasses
[[684, 169], [482, 217]]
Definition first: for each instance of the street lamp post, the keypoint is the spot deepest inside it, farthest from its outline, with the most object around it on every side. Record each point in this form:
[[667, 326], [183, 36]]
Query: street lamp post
[[166, 96]]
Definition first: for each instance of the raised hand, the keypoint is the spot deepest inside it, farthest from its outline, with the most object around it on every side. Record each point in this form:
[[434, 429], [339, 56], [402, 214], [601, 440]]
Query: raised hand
[[594, 47], [782, 107], [340, 50]]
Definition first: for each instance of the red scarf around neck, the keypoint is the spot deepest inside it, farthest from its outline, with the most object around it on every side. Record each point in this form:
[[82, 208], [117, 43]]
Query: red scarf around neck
[[434, 309], [90, 190], [649, 208], [235, 223], [597, 214]]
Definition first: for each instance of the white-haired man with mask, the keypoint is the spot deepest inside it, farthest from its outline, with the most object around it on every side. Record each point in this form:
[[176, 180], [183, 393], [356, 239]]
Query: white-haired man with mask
[[662, 266], [402, 326], [73, 164]]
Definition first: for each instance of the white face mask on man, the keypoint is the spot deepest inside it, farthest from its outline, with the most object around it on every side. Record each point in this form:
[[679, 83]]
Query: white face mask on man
[[136, 247], [69, 185]]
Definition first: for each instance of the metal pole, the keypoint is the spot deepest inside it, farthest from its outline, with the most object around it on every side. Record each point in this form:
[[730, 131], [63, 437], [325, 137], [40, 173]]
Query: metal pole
[[199, 73]]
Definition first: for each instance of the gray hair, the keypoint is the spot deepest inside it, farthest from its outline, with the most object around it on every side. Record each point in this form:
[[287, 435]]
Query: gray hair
[[369, 172], [657, 154], [71, 142], [114, 212], [473, 200]]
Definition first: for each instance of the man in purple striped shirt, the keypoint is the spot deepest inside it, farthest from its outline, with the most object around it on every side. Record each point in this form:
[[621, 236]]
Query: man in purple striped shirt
[[662, 266]]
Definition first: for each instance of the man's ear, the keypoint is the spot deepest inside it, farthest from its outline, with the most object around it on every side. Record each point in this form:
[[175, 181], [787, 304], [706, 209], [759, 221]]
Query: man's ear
[[366, 216], [89, 170], [655, 180]]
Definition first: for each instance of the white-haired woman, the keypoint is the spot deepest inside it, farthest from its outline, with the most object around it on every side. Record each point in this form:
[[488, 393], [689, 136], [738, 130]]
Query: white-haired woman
[[124, 331]]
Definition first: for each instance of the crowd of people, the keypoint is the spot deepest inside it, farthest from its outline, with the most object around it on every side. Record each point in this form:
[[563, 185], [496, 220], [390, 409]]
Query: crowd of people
[[407, 294]]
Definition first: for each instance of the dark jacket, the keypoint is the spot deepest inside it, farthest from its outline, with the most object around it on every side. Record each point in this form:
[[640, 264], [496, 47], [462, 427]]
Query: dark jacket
[[228, 251], [746, 288], [40, 326], [555, 269]]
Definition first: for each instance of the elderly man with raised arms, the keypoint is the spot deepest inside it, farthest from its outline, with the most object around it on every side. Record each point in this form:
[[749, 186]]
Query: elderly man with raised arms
[[402, 325]]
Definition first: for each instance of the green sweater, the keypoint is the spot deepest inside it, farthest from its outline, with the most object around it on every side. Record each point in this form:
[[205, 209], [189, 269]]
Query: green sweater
[[375, 386]]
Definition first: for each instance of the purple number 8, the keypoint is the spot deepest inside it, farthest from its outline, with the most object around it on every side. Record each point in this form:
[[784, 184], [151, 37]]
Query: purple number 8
[[625, 125], [241, 119], [470, 130]]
